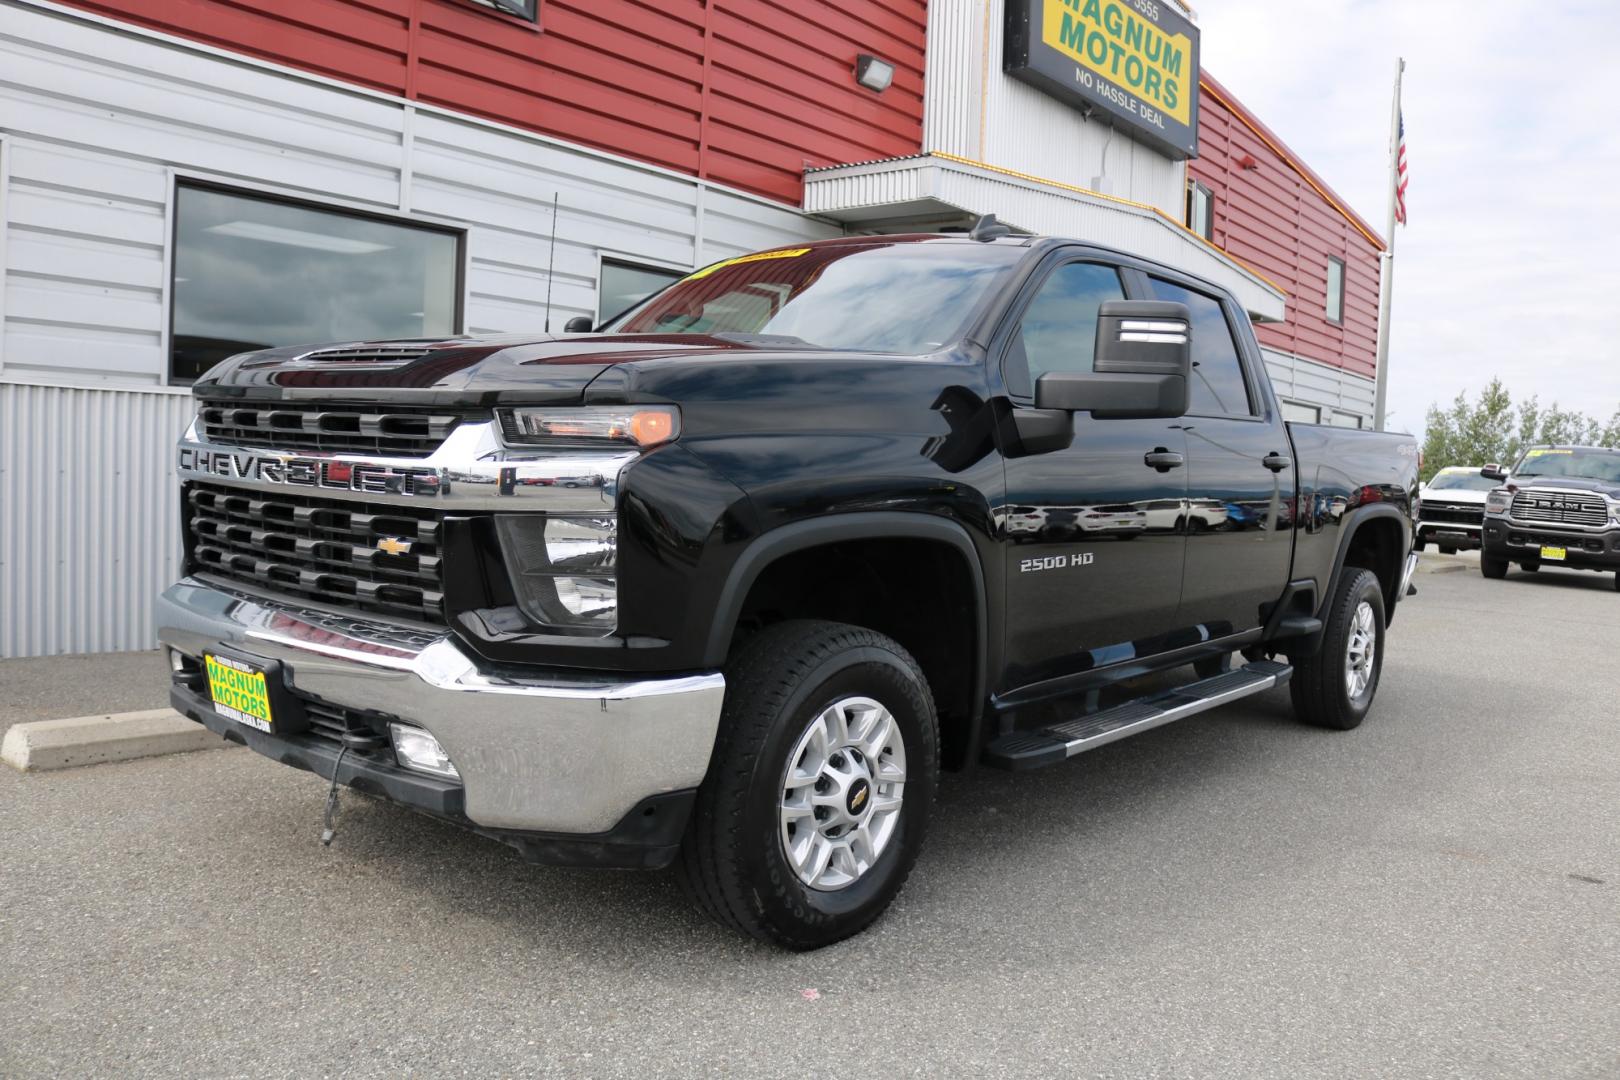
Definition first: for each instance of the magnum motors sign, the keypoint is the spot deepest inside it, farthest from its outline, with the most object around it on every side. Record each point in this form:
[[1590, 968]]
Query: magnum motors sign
[[1136, 60]]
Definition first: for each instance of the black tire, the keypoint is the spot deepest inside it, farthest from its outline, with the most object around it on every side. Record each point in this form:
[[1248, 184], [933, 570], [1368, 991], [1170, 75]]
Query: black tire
[[1319, 688], [1448, 551], [1421, 545], [1493, 566], [732, 861], [1617, 582]]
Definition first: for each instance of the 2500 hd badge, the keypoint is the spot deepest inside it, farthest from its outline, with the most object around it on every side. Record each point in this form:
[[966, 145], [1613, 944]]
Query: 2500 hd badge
[[1057, 562]]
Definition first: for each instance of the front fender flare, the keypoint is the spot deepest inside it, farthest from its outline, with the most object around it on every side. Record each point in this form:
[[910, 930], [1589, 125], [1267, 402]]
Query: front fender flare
[[862, 525]]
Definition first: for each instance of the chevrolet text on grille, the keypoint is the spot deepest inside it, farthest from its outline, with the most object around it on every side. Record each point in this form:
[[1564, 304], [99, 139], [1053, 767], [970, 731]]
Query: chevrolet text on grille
[[311, 472]]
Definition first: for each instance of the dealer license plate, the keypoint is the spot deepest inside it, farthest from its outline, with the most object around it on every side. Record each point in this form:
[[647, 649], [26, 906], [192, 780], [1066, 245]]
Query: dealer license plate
[[240, 692], [1554, 554]]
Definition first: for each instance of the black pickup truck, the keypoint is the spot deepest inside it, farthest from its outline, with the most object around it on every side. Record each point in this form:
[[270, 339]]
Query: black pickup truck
[[728, 581]]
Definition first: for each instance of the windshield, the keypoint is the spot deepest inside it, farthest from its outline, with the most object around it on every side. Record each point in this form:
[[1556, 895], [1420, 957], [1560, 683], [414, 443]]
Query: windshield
[[906, 297], [1462, 480], [1586, 464]]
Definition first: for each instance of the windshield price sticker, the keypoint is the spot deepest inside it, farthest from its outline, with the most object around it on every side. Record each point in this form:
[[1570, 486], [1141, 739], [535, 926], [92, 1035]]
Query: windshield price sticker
[[790, 253]]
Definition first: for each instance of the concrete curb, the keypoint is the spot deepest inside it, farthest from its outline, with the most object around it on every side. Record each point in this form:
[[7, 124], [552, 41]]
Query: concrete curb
[[94, 740]]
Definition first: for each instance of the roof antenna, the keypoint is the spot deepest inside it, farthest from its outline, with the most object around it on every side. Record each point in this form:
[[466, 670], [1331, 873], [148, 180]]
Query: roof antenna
[[551, 266], [987, 228]]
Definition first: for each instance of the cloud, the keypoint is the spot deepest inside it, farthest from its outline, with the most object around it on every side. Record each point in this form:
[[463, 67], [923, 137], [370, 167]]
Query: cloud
[[1509, 266]]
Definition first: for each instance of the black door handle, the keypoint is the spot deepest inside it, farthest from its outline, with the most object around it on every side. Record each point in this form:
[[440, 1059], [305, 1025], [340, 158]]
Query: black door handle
[[1164, 460], [1276, 462]]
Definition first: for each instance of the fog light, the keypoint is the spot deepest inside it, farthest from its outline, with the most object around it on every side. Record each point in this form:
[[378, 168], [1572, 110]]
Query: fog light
[[419, 750]]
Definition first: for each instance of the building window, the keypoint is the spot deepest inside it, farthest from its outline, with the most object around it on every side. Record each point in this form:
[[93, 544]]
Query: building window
[[1335, 290], [1344, 419], [528, 10], [626, 284], [1201, 210], [1300, 413], [252, 272]]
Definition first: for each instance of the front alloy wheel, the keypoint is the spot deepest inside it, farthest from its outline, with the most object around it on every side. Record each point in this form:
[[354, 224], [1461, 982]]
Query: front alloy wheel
[[841, 797]]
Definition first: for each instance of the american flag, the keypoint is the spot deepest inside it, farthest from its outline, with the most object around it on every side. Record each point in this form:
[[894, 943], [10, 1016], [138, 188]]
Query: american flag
[[1400, 173]]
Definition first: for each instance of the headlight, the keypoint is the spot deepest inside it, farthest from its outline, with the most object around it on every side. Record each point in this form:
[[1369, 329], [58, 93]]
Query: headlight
[[1614, 512], [1498, 502], [562, 570], [632, 425]]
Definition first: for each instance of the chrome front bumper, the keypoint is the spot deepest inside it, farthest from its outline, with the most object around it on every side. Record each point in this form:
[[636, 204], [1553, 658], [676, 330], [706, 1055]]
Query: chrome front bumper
[[559, 752]]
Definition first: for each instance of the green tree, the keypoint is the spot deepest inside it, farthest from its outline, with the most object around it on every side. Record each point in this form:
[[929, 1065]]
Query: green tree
[[1490, 429]]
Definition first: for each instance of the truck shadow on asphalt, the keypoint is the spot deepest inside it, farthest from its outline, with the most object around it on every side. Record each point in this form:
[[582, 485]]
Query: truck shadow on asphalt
[[993, 837]]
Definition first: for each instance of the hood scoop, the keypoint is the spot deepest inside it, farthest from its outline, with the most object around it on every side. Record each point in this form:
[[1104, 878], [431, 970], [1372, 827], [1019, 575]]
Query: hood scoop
[[363, 354]]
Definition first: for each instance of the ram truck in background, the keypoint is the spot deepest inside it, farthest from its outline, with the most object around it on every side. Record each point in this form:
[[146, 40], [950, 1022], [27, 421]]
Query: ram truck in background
[[728, 581], [1559, 506]]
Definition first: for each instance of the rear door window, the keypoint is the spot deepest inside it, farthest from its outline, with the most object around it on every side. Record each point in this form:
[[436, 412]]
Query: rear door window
[[1218, 386]]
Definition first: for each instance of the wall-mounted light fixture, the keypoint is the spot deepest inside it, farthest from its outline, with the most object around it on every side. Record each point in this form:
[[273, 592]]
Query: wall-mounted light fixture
[[872, 73]]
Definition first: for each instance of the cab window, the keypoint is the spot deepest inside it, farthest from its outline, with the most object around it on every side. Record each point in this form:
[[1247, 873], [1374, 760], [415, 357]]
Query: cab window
[[1058, 330], [1218, 386]]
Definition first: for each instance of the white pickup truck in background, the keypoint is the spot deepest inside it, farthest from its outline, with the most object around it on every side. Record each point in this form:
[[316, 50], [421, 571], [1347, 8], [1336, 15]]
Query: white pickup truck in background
[[1452, 511]]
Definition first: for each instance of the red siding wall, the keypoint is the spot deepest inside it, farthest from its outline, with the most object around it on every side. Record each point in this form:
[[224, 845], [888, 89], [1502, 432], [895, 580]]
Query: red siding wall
[[743, 92], [1281, 219]]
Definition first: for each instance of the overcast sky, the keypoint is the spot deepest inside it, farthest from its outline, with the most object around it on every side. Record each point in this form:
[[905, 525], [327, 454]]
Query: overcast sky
[[1508, 266]]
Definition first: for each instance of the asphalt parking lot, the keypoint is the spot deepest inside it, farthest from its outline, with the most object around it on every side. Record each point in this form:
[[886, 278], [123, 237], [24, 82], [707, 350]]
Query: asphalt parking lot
[[1434, 895]]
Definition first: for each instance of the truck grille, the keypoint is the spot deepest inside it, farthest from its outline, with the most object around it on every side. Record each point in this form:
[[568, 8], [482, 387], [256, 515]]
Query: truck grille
[[1557, 508], [319, 549], [333, 722], [1444, 514], [400, 431]]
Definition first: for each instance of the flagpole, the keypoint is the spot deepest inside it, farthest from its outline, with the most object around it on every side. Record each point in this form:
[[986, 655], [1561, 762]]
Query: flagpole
[[1386, 280]]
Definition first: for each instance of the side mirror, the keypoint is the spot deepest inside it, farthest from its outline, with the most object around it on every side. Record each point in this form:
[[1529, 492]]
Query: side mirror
[[1493, 471], [1141, 366], [579, 324]]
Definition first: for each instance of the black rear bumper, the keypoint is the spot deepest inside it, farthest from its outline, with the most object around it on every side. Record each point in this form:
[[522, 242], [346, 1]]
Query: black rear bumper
[[1583, 551], [647, 837]]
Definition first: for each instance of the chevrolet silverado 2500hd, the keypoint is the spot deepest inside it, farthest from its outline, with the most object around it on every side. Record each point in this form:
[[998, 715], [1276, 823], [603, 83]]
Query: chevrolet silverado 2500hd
[[728, 581]]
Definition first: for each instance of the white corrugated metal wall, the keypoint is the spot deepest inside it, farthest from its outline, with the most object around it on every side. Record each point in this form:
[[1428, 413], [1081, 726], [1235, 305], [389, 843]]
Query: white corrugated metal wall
[[89, 530], [97, 120], [975, 111], [1319, 385]]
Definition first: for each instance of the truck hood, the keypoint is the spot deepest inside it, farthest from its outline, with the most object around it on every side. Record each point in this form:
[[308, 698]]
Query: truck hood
[[1459, 496], [542, 369], [1566, 483]]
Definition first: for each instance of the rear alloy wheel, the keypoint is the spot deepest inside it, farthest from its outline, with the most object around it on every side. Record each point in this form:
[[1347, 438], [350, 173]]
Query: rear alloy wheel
[[1493, 566], [820, 788], [1335, 688]]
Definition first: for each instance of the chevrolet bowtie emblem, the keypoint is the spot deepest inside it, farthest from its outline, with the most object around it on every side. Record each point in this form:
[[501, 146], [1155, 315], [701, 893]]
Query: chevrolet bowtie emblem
[[393, 545]]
